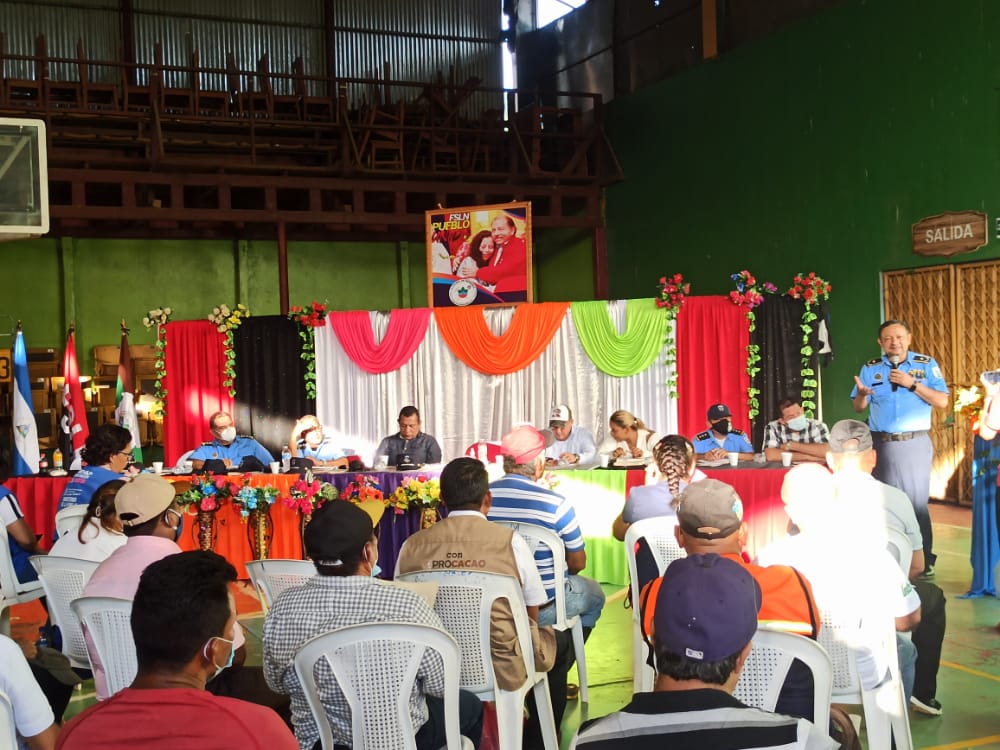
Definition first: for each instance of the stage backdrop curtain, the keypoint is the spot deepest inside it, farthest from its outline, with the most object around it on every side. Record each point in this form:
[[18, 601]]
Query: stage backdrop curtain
[[405, 331], [195, 361], [270, 384], [527, 335], [630, 352], [780, 338], [460, 405], [712, 337]]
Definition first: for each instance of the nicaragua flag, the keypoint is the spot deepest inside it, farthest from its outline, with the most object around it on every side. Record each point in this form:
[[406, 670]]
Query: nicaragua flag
[[26, 454]]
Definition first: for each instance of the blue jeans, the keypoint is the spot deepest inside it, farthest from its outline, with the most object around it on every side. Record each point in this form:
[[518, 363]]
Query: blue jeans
[[907, 664], [584, 597]]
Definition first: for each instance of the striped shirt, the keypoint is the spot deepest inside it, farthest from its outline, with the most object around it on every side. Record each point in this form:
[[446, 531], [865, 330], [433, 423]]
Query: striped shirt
[[695, 720], [518, 498]]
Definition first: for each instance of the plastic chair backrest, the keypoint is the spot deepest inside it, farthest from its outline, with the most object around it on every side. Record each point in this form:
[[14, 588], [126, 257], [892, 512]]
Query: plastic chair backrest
[[12, 591], [765, 670], [68, 519], [8, 730], [271, 577], [63, 579], [900, 548], [376, 665], [659, 536], [536, 535], [107, 621]]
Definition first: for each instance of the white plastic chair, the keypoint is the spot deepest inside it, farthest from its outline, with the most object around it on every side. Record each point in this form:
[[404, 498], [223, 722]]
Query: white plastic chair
[[375, 665], [12, 591], [107, 622], [659, 535], [464, 600], [886, 716], [8, 730], [900, 548], [68, 520], [534, 535], [767, 666], [63, 579], [271, 577]]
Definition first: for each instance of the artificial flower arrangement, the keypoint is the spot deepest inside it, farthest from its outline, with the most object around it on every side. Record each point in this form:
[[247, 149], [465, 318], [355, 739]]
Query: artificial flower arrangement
[[309, 319], [673, 291], [549, 480], [157, 318], [208, 493], [969, 403], [251, 498], [417, 492], [226, 321], [749, 294], [306, 495], [363, 487], [809, 288]]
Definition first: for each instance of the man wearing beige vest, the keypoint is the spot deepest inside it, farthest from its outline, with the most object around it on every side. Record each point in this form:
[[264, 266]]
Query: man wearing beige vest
[[467, 540]]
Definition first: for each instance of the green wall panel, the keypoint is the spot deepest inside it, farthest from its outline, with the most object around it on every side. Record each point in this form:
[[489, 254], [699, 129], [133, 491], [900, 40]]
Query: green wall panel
[[32, 290], [563, 265]]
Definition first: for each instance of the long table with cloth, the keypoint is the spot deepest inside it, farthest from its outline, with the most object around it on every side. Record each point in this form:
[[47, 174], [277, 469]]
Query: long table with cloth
[[597, 495]]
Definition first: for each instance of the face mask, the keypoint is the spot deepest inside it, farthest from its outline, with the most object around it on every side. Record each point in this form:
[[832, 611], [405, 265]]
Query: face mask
[[376, 570], [721, 427], [228, 435], [229, 661], [798, 424], [180, 524]]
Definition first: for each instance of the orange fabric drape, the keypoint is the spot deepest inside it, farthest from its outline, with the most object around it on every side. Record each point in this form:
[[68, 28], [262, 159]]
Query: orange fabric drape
[[470, 339]]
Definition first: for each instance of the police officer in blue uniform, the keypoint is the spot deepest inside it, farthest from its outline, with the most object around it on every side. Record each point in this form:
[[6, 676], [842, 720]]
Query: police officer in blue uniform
[[901, 388], [721, 438], [227, 446]]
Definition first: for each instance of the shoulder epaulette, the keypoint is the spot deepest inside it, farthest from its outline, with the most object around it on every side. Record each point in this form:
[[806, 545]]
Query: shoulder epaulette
[[209, 442], [921, 358], [737, 431], [702, 435], [876, 361]]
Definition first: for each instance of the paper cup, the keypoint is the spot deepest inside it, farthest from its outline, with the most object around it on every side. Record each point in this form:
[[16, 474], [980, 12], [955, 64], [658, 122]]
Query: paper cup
[[786, 458], [187, 467], [381, 462], [158, 467], [734, 458], [275, 467], [605, 460]]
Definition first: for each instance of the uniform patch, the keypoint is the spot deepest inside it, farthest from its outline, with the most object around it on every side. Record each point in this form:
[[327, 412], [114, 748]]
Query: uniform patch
[[921, 358], [878, 376], [876, 361], [702, 435], [736, 431]]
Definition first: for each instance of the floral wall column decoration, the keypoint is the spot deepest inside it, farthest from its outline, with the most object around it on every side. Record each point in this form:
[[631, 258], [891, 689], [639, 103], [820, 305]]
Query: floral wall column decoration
[[749, 293], [810, 289], [672, 293], [228, 320], [158, 318], [309, 319]]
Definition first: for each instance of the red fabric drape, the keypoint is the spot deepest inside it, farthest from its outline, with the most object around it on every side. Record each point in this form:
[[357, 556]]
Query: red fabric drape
[[403, 335], [195, 362], [470, 339], [712, 337]]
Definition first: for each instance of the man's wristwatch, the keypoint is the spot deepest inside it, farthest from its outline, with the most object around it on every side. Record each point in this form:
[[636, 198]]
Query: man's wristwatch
[[913, 387]]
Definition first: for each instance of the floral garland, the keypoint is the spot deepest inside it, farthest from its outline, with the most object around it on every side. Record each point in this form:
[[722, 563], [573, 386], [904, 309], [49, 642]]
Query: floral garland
[[809, 289], [750, 294], [969, 404], [208, 493], [249, 498], [309, 319], [418, 492], [227, 321], [157, 318], [672, 294], [308, 494], [364, 487]]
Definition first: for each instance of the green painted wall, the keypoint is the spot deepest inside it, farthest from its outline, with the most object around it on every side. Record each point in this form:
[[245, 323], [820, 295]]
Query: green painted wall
[[812, 150]]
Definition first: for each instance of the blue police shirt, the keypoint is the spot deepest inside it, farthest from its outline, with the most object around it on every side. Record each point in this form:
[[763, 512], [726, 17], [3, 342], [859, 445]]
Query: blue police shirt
[[242, 446], [322, 453], [899, 410], [736, 442]]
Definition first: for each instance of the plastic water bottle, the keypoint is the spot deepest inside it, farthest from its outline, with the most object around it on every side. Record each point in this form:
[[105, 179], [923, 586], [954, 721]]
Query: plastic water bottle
[[286, 459]]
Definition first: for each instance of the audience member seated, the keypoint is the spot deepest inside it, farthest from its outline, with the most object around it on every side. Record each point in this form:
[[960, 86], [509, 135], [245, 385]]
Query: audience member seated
[[20, 536], [793, 432], [573, 444], [107, 454], [33, 717], [629, 438], [231, 449], [721, 438], [308, 441], [184, 626], [409, 442], [706, 616], [342, 544], [100, 531]]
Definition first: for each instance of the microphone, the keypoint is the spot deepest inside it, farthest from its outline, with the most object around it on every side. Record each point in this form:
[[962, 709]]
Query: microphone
[[894, 361]]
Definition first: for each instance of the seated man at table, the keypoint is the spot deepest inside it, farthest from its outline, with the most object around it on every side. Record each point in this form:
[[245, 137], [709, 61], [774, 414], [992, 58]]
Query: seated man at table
[[706, 616], [410, 442], [234, 451], [340, 539], [308, 441], [793, 432], [721, 438], [573, 444], [184, 626]]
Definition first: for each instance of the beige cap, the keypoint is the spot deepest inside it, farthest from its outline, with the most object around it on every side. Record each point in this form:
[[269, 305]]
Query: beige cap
[[143, 497]]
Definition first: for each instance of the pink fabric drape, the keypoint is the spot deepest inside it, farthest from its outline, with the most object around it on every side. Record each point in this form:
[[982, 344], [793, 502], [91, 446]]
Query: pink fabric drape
[[195, 362], [403, 335], [712, 339]]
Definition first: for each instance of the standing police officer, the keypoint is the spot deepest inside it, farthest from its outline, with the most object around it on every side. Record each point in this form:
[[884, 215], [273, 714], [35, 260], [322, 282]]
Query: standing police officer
[[902, 387]]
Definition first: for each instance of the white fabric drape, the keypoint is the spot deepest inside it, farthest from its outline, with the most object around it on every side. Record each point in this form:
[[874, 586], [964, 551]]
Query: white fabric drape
[[460, 406]]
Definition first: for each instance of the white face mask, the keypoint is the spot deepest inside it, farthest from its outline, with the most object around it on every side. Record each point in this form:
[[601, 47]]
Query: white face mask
[[798, 423], [228, 435], [229, 661]]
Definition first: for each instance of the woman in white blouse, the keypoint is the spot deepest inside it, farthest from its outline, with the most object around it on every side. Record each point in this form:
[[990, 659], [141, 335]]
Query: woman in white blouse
[[629, 438], [100, 531]]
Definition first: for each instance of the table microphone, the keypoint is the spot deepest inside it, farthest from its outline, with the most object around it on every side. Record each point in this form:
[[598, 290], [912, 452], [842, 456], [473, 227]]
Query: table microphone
[[894, 361]]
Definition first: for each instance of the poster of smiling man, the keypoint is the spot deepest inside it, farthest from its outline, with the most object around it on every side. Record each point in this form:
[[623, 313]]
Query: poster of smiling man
[[479, 255]]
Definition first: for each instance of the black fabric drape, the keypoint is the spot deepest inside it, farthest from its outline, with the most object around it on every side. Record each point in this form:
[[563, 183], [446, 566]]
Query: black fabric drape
[[779, 336], [270, 389]]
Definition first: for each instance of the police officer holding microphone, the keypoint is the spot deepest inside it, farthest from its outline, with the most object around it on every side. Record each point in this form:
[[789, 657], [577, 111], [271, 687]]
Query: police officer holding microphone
[[901, 388]]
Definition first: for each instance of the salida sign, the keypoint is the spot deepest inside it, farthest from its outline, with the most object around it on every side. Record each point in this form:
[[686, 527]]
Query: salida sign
[[950, 233]]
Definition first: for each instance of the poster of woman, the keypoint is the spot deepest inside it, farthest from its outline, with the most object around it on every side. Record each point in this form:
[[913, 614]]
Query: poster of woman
[[479, 255]]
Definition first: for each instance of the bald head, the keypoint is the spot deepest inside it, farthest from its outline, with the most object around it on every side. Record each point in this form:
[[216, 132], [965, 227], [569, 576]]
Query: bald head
[[808, 494]]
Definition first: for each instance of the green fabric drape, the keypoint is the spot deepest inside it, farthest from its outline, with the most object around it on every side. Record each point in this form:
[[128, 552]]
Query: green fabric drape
[[633, 351]]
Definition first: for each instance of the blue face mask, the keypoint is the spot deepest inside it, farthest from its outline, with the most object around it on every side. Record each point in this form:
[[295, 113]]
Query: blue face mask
[[180, 524], [229, 661], [798, 423], [376, 570]]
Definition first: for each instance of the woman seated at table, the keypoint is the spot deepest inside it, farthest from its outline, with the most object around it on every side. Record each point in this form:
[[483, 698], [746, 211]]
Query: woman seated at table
[[629, 438], [481, 249], [307, 440], [107, 454], [20, 536], [100, 531]]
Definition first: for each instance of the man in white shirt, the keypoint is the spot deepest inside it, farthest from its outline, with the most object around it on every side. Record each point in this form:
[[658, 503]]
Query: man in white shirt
[[33, 716], [573, 444]]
